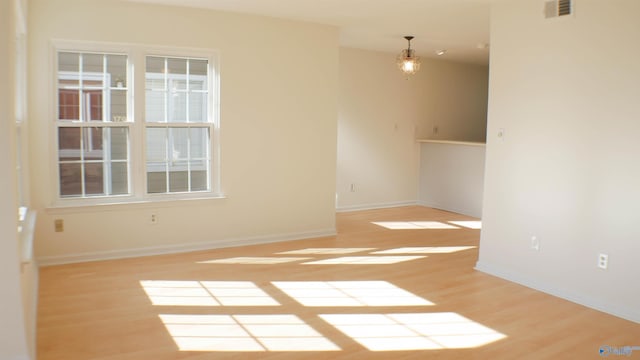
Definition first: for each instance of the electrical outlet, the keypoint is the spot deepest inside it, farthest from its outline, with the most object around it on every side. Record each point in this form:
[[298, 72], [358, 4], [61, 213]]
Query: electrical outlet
[[58, 225], [435, 130], [153, 219], [603, 261], [535, 243]]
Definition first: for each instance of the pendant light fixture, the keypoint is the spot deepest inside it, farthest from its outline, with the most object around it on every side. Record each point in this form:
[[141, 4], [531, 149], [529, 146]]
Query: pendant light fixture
[[407, 61]]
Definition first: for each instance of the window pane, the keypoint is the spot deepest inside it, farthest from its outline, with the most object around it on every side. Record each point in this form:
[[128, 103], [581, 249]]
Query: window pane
[[156, 178], [156, 144], [198, 83], [92, 144], [198, 179], [178, 106], [179, 144], [68, 104], [178, 169], [119, 143], [69, 61], [155, 106], [178, 83], [179, 180], [117, 70], [92, 105], [155, 64], [178, 70], [94, 179], [119, 178], [198, 107], [69, 144], [70, 180], [118, 105], [92, 70], [199, 143], [68, 70], [198, 67], [155, 77]]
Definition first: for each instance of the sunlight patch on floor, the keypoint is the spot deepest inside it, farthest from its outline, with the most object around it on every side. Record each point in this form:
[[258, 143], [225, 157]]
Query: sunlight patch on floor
[[364, 260], [254, 260], [349, 293], [326, 251], [177, 293], [426, 250], [415, 331], [244, 333], [471, 224], [206, 293], [414, 225]]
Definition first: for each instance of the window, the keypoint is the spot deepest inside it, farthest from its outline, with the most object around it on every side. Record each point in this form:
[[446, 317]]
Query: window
[[93, 131], [111, 148], [177, 125]]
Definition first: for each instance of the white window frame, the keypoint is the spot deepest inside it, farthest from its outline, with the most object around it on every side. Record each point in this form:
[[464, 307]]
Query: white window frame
[[20, 106], [136, 55]]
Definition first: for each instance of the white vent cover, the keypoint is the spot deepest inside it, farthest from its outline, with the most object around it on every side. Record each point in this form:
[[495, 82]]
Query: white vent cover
[[555, 8]]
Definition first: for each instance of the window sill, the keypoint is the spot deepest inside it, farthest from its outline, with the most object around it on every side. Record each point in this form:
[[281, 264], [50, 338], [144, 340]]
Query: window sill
[[74, 207]]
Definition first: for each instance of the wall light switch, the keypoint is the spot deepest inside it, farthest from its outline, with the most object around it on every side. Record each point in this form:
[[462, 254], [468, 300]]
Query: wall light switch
[[501, 134], [535, 243]]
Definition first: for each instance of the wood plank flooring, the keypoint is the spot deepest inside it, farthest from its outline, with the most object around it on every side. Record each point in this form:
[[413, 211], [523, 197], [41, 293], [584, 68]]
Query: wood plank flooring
[[404, 291]]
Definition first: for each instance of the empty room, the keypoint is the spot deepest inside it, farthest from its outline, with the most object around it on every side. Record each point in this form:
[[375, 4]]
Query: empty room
[[282, 179]]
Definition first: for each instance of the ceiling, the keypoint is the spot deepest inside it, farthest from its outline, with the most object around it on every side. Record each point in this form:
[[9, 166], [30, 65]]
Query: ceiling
[[461, 27]]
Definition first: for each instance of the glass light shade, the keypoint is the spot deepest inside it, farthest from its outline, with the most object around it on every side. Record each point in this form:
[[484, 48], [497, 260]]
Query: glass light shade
[[408, 62]]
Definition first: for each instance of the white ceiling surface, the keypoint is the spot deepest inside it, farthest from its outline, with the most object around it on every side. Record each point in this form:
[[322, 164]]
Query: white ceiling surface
[[458, 26]]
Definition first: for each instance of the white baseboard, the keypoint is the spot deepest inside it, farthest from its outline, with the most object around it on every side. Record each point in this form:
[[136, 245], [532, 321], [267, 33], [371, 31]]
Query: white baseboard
[[375, 206], [621, 312], [180, 248], [463, 211]]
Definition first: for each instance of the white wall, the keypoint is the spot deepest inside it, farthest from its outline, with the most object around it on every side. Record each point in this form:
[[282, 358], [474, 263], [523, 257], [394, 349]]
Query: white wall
[[13, 340], [452, 177], [278, 120], [566, 92], [453, 97], [382, 114]]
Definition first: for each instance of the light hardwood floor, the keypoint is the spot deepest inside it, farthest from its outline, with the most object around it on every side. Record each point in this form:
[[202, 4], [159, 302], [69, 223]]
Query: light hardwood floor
[[436, 304]]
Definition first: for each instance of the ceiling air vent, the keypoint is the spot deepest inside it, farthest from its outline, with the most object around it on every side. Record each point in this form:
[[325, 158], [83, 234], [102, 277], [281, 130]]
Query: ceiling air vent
[[555, 8]]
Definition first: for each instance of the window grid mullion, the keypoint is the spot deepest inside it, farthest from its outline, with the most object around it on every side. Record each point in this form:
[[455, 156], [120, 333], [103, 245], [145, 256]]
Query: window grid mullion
[[106, 161], [82, 163], [81, 116], [80, 88], [186, 93], [188, 115], [168, 153], [188, 158], [166, 90], [107, 185]]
